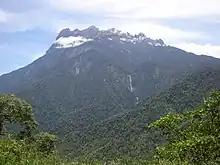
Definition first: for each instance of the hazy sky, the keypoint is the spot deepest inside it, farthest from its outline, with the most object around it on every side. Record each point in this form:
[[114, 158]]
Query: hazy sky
[[29, 27]]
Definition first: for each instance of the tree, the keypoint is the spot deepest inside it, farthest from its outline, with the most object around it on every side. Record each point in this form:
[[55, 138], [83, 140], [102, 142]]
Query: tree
[[193, 136], [45, 142], [16, 111]]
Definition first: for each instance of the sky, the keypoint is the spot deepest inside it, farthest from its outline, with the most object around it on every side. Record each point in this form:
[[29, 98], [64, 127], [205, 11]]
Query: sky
[[29, 27]]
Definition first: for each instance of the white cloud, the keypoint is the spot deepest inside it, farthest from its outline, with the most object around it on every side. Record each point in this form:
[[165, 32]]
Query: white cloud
[[113, 13], [206, 49], [52, 23], [3, 16], [58, 25], [138, 16], [45, 19], [153, 30], [143, 8], [86, 5]]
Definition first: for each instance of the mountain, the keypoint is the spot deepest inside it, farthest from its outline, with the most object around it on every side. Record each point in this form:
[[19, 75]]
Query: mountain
[[127, 135], [91, 76]]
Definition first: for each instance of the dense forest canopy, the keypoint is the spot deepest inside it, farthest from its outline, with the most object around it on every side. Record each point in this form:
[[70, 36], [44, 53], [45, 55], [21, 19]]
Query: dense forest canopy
[[192, 137]]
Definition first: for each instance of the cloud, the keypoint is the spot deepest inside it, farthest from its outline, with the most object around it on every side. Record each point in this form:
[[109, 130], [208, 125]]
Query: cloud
[[26, 21], [3, 16], [22, 6], [206, 49], [143, 8], [58, 25], [153, 30], [54, 15], [55, 22]]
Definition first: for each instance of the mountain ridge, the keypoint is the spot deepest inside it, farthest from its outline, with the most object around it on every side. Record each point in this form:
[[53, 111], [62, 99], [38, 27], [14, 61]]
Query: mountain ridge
[[94, 33]]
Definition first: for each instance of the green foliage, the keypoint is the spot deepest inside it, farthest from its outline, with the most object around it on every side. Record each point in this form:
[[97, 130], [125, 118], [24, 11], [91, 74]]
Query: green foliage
[[40, 149], [18, 152], [16, 111], [28, 150], [125, 135], [45, 142], [193, 136]]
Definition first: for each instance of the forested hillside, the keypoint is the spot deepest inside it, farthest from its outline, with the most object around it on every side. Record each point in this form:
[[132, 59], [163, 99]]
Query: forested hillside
[[192, 137], [127, 135]]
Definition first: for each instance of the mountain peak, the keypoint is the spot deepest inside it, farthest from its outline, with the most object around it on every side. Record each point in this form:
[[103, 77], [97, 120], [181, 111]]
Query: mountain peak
[[93, 28], [93, 31], [142, 35], [113, 34], [64, 33]]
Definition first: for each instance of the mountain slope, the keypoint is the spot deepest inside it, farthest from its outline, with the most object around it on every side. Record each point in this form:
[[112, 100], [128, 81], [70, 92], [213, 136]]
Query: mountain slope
[[68, 97], [126, 135]]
